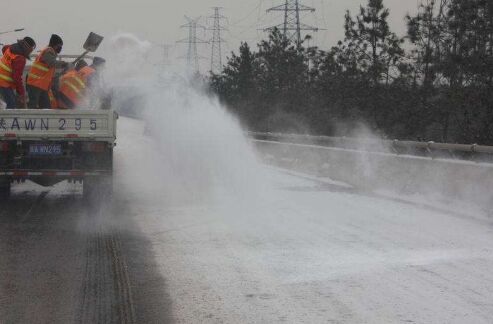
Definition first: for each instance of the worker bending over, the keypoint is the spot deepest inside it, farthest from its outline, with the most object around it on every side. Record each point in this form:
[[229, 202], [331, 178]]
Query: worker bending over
[[40, 76], [12, 66], [53, 93], [75, 85]]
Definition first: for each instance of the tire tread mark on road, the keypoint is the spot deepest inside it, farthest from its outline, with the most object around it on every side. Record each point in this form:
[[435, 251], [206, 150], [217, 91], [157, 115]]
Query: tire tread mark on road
[[85, 288], [91, 291], [106, 292], [122, 282], [100, 273]]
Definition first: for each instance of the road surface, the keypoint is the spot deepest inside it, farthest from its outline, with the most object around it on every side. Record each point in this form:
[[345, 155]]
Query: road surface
[[290, 250]]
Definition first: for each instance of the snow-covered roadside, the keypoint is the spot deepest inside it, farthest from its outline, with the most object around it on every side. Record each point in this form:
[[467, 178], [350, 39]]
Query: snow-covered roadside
[[299, 252], [433, 201]]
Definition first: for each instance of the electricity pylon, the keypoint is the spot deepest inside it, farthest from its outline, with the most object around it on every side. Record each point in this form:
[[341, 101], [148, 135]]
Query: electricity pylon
[[292, 25], [192, 41], [216, 41]]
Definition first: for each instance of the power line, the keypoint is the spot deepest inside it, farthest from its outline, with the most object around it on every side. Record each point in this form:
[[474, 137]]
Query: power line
[[192, 41], [248, 15], [292, 25], [217, 41]]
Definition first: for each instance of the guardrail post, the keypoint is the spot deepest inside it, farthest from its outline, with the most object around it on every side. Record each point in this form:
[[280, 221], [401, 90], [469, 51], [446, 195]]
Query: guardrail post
[[429, 149], [394, 147], [473, 151]]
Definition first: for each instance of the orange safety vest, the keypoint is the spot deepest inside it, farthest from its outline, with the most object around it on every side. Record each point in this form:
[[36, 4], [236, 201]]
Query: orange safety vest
[[6, 75], [41, 75], [87, 71], [73, 84]]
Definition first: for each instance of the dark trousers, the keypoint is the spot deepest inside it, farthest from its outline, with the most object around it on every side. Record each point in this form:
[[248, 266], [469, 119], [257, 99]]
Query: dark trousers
[[38, 98], [9, 97]]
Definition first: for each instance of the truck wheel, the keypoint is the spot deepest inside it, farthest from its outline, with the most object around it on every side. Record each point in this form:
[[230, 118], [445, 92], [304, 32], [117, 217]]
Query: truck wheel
[[4, 189]]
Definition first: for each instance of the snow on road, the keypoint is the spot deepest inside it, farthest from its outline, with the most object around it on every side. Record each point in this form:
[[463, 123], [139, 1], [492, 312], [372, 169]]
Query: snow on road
[[299, 251]]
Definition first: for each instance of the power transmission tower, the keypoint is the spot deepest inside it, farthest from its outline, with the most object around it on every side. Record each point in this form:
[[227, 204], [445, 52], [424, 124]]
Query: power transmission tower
[[292, 25], [192, 41], [216, 41]]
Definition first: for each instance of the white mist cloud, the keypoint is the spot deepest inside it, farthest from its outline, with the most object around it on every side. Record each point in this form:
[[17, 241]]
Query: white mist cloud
[[196, 151]]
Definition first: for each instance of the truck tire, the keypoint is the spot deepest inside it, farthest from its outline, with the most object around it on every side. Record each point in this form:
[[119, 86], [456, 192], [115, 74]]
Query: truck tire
[[4, 189]]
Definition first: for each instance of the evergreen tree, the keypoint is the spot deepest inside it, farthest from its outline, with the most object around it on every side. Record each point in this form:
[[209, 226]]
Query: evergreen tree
[[369, 43], [237, 80], [441, 90], [426, 32]]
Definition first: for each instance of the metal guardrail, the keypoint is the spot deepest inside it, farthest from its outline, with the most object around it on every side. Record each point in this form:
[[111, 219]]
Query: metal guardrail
[[479, 153]]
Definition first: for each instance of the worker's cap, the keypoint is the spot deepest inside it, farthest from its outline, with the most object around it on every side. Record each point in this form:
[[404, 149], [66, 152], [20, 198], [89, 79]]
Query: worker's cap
[[98, 61], [27, 42], [55, 40], [28, 45]]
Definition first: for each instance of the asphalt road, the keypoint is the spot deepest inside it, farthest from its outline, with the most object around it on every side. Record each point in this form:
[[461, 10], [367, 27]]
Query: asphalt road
[[291, 250], [65, 261]]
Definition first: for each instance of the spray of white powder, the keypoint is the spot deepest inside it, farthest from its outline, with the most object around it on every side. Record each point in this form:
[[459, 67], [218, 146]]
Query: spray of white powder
[[197, 152]]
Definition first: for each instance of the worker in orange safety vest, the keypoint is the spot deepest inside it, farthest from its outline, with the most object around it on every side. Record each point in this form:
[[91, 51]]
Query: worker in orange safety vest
[[76, 84], [40, 76], [12, 65]]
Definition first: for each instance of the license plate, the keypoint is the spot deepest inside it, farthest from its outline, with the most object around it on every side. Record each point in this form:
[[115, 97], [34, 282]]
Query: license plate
[[45, 149]]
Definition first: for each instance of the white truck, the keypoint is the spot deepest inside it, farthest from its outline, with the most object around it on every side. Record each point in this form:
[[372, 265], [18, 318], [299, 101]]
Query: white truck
[[48, 146]]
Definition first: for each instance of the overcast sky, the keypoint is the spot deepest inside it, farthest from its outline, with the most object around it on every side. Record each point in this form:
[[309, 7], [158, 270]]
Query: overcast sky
[[158, 21]]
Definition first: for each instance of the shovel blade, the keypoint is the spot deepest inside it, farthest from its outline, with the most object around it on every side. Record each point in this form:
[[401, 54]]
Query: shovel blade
[[92, 42]]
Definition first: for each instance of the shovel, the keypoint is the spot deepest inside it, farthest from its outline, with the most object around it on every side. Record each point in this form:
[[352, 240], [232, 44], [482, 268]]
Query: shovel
[[91, 45]]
